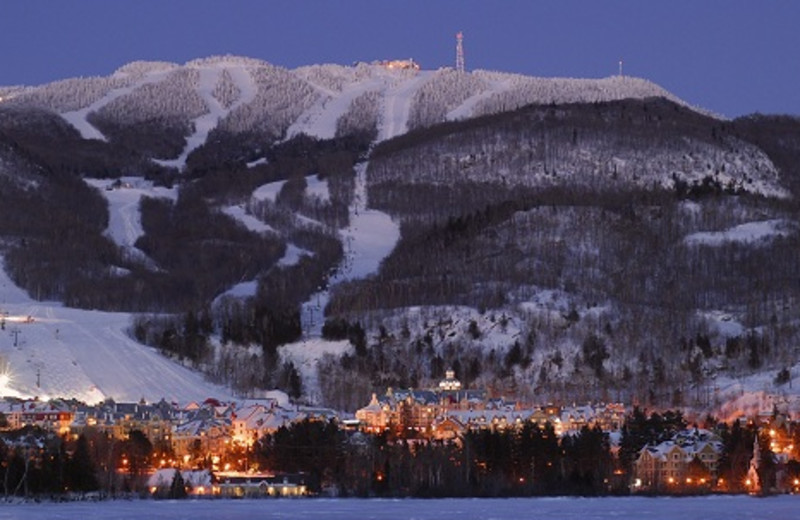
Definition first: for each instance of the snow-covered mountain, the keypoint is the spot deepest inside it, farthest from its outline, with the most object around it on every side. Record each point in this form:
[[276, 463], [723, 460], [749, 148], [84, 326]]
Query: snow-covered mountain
[[241, 95], [519, 228]]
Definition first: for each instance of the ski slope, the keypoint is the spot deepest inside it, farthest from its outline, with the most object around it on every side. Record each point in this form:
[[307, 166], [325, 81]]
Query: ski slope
[[397, 106], [55, 351], [78, 118], [749, 233], [124, 218], [210, 75], [320, 119], [467, 109], [369, 238]]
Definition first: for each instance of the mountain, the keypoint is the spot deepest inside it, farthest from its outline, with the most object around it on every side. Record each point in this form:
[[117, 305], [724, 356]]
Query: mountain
[[332, 230]]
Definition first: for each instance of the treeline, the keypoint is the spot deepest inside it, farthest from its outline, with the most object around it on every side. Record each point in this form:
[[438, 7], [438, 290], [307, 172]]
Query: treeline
[[525, 462], [39, 463], [528, 460]]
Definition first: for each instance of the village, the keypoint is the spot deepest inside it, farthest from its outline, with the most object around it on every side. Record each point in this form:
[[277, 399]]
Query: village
[[213, 448]]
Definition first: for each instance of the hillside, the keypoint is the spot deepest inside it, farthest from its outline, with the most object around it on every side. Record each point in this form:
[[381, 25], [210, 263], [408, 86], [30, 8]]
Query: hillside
[[560, 238]]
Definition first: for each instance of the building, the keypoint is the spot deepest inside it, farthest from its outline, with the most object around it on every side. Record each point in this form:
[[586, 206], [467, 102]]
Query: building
[[240, 485], [408, 64], [55, 415], [689, 459]]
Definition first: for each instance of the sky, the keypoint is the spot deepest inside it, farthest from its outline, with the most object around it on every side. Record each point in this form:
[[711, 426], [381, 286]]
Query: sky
[[732, 57]]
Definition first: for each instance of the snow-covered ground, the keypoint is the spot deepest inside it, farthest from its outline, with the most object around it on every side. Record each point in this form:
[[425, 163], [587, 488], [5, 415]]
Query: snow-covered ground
[[78, 118], [318, 188], [239, 213], [269, 191], [717, 507], [397, 106], [320, 119], [210, 74], [751, 233], [124, 219], [369, 238], [63, 352], [305, 355], [293, 255], [467, 109]]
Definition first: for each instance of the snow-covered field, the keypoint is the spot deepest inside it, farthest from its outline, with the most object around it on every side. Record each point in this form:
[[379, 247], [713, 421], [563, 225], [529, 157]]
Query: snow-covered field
[[690, 508]]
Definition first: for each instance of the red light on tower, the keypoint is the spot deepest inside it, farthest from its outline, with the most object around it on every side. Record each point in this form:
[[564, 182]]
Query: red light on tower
[[459, 51]]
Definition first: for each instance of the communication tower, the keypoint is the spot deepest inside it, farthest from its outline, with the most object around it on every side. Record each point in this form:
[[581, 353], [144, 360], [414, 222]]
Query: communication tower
[[459, 51], [620, 66]]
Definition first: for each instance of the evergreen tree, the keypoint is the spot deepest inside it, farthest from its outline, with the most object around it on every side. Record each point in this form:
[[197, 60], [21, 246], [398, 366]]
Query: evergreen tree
[[81, 472], [177, 488]]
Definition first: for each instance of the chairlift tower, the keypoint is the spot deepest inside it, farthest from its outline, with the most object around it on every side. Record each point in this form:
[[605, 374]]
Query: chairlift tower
[[459, 51]]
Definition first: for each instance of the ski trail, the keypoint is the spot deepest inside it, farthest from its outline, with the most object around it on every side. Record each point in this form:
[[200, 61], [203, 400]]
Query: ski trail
[[320, 119], [124, 219], [467, 108], [203, 125], [78, 118], [397, 106], [368, 239]]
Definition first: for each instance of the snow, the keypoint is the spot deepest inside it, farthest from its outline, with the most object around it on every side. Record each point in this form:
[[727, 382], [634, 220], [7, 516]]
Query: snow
[[124, 219], [750, 232], [369, 238], [320, 119], [268, 191], [318, 188], [248, 289], [715, 507], [253, 164], [397, 106], [210, 74], [293, 255], [78, 118], [240, 291], [239, 213], [468, 107], [723, 323], [87, 355], [305, 354]]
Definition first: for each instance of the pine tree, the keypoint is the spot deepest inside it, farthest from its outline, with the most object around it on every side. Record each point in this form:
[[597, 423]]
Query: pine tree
[[177, 488], [81, 472]]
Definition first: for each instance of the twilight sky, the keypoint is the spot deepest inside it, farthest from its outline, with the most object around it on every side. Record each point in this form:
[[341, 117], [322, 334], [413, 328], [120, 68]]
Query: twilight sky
[[733, 57]]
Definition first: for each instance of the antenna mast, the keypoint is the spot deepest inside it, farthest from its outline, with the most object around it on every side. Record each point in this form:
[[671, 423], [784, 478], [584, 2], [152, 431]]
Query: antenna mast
[[459, 51]]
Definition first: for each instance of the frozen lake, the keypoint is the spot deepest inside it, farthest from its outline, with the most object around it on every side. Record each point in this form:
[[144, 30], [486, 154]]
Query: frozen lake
[[693, 508]]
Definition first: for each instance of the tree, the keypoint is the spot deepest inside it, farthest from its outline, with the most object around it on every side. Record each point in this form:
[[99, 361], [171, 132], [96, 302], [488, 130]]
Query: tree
[[290, 380], [595, 353], [81, 474], [783, 376], [177, 489]]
